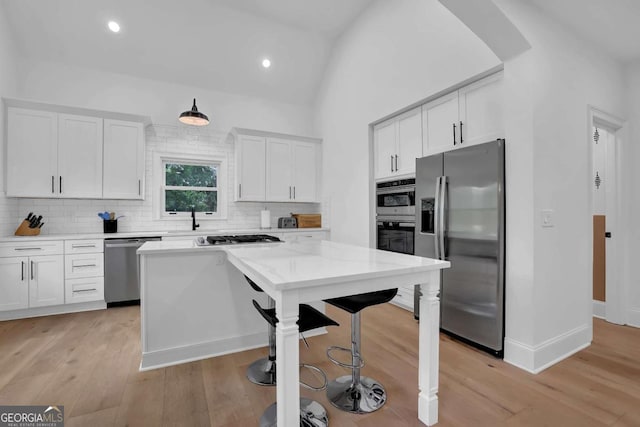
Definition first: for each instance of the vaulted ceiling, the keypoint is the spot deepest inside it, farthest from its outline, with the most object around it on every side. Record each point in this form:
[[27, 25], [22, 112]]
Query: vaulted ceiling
[[219, 44]]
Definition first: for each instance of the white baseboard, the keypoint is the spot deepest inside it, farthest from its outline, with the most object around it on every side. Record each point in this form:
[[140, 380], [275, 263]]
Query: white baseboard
[[205, 350], [633, 317], [599, 309], [51, 310], [535, 359]]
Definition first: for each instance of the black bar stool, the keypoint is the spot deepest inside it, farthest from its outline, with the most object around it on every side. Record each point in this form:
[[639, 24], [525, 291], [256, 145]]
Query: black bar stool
[[263, 371], [355, 393], [312, 413]]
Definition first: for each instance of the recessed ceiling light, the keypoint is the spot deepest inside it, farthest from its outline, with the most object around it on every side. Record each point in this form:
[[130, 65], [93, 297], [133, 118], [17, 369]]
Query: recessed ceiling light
[[114, 26], [266, 63]]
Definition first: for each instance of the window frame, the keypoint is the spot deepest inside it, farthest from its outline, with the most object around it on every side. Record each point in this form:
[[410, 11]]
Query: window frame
[[220, 162]]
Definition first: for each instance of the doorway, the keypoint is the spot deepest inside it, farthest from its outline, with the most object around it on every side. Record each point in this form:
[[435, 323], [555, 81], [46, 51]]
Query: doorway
[[604, 140]]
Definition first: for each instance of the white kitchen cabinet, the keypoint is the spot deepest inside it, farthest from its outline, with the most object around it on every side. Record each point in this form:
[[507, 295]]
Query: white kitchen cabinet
[[250, 168], [481, 110], [35, 278], [14, 286], [300, 236], [32, 153], [468, 116], [46, 280], [397, 143], [276, 167], [83, 270], [292, 171], [279, 170], [123, 160], [79, 156]]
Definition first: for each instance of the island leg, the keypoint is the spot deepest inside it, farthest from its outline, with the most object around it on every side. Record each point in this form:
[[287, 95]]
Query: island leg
[[429, 350], [287, 360]]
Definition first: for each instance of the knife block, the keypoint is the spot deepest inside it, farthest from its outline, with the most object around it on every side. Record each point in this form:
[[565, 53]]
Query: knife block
[[24, 230]]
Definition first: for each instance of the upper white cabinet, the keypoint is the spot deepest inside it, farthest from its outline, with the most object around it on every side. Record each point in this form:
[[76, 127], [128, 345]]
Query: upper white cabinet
[[250, 168], [53, 152], [397, 143], [123, 160], [79, 156], [468, 116], [276, 168], [32, 153]]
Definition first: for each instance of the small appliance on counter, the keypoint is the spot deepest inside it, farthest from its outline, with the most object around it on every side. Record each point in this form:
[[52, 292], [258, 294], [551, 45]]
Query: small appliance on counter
[[30, 226], [287, 222]]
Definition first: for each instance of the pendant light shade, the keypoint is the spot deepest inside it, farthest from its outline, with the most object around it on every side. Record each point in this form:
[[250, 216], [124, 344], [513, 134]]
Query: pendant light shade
[[194, 117]]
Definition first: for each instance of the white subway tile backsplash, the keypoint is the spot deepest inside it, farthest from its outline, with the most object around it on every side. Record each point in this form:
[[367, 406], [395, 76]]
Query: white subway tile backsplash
[[80, 216]]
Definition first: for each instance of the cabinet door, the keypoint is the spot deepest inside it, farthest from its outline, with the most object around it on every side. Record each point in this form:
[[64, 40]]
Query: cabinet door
[[46, 280], [409, 141], [306, 165], [79, 156], [14, 285], [440, 122], [278, 169], [123, 160], [481, 110], [384, 148], [32, 153], [250, 168]]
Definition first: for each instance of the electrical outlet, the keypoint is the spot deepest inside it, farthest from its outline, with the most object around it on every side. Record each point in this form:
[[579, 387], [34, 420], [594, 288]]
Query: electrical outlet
[[546, 218]]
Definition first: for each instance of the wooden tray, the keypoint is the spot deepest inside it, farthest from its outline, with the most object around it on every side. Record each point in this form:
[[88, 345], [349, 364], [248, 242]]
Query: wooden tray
[[308, 220], [24, 230]]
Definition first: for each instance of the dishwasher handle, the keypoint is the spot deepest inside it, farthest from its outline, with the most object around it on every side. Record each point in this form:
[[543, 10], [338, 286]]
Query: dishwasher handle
[[123, 245]]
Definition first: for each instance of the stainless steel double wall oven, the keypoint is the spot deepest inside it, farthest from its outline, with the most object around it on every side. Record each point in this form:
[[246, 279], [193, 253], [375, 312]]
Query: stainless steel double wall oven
[[396, 215]]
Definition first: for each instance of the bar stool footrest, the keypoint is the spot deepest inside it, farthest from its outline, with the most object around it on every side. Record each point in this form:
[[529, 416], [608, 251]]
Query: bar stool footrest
[[339, 363]]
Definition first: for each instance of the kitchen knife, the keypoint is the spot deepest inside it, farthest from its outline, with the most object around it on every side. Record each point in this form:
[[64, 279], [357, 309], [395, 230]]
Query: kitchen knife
[[29, 216], [41, 224], [32, 221]]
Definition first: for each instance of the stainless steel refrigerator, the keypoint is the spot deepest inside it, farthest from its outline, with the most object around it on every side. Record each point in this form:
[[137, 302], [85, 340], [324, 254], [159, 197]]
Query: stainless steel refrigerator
[[460, 217]]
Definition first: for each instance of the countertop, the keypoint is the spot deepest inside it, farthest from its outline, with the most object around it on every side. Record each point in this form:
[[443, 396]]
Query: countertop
[[307, 263], [128, 235]]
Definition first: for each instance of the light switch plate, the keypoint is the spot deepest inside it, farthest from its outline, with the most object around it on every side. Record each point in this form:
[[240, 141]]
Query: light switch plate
[[546, 218]]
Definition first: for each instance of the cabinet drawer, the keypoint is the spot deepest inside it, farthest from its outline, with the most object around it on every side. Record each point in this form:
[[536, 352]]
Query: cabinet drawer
[[301, 237], [83, 265], [83, 246], [82, 290], [52, 247]]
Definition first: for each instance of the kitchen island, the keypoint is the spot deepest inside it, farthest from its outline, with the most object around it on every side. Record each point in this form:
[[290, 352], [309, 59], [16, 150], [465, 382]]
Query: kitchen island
[[291, 273]]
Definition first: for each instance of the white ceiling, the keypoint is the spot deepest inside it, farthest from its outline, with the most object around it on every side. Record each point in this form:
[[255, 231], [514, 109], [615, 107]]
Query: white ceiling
[[613, 25], [214, 44]]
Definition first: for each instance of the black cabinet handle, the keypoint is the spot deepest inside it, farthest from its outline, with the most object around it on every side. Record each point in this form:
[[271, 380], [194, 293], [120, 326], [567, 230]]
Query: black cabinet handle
[[139, 187], [32, 270], [396, 163], [461, 140], [454, 134], [22, 271], [52, 184], [60, 184], [294, 192], [239, 191], [607, 234], [391, 163]]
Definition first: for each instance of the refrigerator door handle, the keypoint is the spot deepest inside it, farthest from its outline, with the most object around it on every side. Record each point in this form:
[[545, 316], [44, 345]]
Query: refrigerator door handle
[[436, 220], [441, 217]]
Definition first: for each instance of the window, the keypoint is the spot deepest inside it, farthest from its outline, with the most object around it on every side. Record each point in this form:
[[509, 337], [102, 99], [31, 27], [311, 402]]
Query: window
[[187, 183]]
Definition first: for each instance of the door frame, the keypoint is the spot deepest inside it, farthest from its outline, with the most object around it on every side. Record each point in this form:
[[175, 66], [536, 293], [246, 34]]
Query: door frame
[[615, 262]]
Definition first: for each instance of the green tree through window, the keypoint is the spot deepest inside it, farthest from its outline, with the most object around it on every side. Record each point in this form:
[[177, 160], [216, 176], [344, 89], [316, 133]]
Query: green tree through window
[[188, 185]]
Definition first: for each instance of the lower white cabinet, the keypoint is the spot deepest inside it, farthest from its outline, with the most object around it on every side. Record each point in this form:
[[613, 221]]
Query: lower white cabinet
[[14, 286], [84, 270], [35, 281], [300, 236], [404, 297]]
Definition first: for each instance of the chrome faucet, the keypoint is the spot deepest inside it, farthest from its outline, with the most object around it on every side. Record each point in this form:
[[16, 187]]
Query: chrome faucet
[[193, 219]]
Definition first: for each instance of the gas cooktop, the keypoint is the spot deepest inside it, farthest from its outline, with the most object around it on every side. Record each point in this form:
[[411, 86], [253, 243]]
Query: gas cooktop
[[234, 240]]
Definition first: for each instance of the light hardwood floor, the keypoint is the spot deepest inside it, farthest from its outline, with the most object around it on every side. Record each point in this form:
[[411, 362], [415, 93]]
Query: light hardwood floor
[[88, 362]]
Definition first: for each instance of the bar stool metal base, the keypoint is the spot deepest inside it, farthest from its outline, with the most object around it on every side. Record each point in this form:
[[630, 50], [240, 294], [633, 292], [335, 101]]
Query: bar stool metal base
[[262, 372], [367, 396], [312, 414]]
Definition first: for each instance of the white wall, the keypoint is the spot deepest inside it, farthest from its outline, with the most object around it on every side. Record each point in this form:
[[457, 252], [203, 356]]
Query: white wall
[[163, 102], [400, 52], [8, 83], [567, 75], [395, 54], [633, 159]]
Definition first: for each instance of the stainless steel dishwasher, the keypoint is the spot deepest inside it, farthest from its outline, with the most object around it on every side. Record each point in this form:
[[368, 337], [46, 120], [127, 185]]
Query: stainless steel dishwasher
[[121, 286]]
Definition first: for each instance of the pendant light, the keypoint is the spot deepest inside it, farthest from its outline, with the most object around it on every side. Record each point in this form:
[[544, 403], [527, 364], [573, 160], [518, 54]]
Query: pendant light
[[194, 117]]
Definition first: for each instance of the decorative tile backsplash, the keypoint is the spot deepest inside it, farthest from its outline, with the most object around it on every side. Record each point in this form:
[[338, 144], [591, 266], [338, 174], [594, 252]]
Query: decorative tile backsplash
[[80, 216]]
